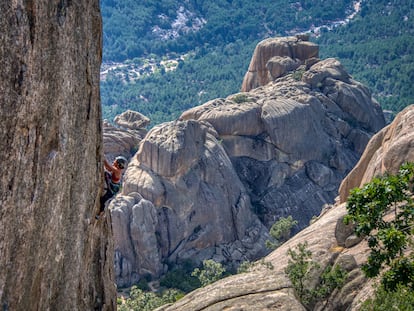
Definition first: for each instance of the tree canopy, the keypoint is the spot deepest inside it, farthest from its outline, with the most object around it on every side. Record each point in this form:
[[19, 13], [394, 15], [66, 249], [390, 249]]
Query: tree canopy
[[388, 196]]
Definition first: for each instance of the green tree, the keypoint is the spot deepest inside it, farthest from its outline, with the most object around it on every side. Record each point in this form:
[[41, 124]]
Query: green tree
[[375, 48], [401, 299], [388, 195], [280, 231], [211, 272], [300, 270], [244, 267], [179, 277], [140, 300], [332, 277]]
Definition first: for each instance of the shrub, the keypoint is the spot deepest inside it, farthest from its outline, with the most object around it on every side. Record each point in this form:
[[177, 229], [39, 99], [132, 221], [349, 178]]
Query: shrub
[[280, 231], [297, 74], [402, 298], [332, 278], [240, 98], [244, 267], [181, 279], [140, 300], [211, 272], [299, 271]]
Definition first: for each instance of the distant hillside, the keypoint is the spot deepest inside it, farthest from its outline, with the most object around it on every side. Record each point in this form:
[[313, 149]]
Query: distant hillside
[[213, 43], [377, 49], [135, 28]]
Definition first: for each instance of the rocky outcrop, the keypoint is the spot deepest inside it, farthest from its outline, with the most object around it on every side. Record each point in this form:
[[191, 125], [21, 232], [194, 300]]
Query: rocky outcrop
[[53, 254], [293, 141], [132, 120], [274, 57], [267, 287], [229, 167], [329, 240], [136, 251], [386, 152], [124, 137], [195, 207]]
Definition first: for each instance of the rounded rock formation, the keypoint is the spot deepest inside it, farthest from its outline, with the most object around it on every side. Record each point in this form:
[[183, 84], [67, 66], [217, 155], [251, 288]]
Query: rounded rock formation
[[223, 173]]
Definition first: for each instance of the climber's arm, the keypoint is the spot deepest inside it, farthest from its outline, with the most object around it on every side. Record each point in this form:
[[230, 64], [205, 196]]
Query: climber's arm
[[108, 166]]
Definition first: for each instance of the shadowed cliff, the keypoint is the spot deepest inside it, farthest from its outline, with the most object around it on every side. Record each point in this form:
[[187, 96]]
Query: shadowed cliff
[[53, 254]]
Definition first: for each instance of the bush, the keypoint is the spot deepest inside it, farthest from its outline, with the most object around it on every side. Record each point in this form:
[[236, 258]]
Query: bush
[[297, 74], [280, 231], [401, 299], [211, 272], [244, 267], [299, 271], [332, 278], [240, 98], [181, 279], [147, 301]]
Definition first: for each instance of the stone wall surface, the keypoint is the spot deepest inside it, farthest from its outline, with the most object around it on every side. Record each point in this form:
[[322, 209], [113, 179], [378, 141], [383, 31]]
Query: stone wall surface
[[54, 255]]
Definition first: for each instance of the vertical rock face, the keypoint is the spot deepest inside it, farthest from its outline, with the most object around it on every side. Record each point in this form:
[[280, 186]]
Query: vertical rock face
[[386, 152], [53, 254]]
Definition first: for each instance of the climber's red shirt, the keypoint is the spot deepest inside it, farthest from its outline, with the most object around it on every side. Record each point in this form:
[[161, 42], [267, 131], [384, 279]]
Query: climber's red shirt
[[116, 172]]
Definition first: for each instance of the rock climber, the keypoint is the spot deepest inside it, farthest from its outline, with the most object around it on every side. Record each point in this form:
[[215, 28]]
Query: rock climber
[[113, 176]]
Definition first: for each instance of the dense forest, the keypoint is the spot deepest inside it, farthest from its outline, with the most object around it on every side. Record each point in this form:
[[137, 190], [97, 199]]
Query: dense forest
[[212, 42], [377, 49], [136, 28]]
